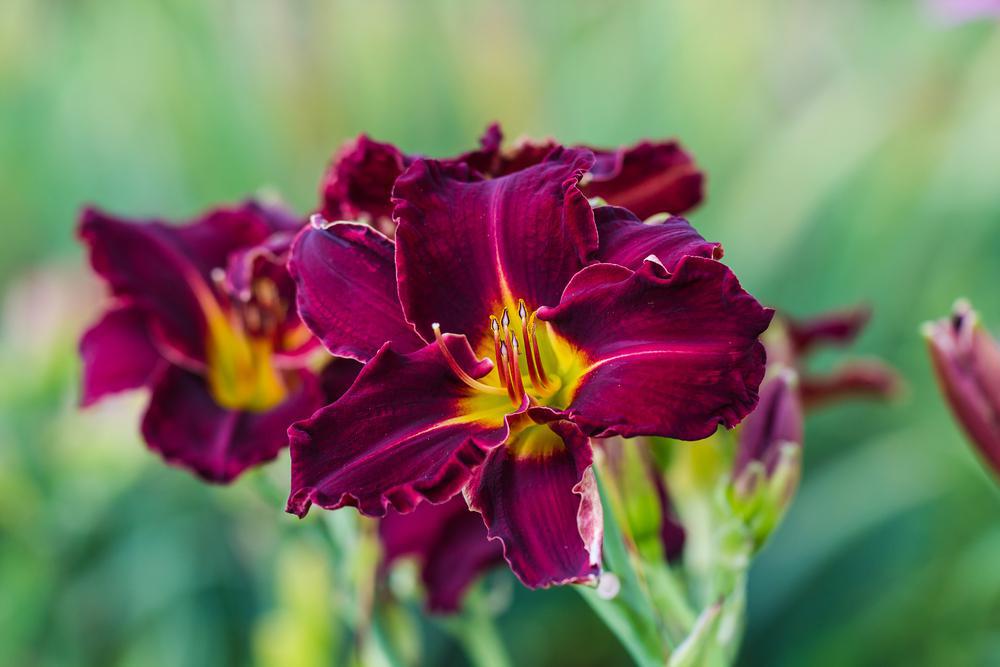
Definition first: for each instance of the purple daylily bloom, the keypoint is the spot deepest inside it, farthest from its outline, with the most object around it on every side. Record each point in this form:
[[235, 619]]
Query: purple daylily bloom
[[647, 178], [498, 336], [966, 359], [202, 314]]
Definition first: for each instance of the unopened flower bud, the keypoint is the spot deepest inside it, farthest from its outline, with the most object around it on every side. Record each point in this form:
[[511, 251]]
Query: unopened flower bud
[[967, 362]]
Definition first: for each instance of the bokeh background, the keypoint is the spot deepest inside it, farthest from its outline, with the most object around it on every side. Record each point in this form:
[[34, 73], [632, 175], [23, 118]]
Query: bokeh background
[[853, 153]]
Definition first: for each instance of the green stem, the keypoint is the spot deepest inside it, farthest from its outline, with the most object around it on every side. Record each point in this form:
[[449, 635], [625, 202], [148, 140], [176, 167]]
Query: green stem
[[475, 630]]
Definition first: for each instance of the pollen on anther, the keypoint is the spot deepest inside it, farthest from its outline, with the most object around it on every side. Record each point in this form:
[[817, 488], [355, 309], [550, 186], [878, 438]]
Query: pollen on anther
[[505, 319]]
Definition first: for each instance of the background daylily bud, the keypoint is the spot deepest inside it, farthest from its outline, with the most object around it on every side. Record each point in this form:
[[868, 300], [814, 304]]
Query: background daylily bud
[[768, 458], [967, 362]]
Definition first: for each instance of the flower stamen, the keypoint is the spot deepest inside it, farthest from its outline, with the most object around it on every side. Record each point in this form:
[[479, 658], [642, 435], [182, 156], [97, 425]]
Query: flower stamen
[[503, 361], [529, 344], [501, 368], [457, 369], [515, 369]]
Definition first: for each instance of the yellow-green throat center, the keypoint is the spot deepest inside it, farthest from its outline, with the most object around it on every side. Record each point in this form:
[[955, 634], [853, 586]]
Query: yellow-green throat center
[[530, 361], [240, 347]]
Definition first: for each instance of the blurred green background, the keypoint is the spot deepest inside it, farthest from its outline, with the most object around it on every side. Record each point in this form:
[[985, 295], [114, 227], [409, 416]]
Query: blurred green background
[[853, 153]]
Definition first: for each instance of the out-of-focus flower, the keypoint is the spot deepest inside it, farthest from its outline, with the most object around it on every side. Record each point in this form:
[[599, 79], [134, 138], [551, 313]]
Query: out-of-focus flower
[[203, 314], [967, 362], [960, 11], [599, 325], [647, 178], [791, 341], [768, 459], [451, 544]]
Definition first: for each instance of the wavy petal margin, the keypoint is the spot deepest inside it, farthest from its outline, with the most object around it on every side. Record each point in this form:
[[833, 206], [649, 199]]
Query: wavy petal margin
[[468, 247], [671, 355], [405, 431], [538, 497], [626, 240]]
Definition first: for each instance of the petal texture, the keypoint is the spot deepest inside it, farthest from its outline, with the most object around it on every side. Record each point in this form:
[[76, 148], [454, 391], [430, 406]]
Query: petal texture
[[626, 240], [672, 355], [346, 290], [538, 497], [467, 247], [401, 433]]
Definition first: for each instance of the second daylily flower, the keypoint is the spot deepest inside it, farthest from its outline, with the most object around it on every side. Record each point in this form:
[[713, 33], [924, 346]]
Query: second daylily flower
[[597, 325], [203, 314]]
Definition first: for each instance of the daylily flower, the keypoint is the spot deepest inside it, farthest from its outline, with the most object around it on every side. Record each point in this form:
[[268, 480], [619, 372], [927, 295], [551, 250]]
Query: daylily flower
[[967, 362], [451, 544], [202, 314], [647, 178], [508, 323], [791, 341]]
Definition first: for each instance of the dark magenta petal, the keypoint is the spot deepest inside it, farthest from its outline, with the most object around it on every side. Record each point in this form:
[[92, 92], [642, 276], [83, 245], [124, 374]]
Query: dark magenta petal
[[358, 184], [163, 269], [647, 178], [672, 355], [402, 432], [837, 328], [860, 379], [966, 359], [626, 240], [776, 422], [538, 496], [117, 354], [189, 429], [467, 247], [346, 280], [337, 377], [451, 544]]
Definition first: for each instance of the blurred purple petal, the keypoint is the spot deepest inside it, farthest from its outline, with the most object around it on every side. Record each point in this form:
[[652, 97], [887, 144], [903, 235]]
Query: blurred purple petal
[[117, 354], [777, 421], [647, 178], [359, 182], [865, 378], [188, 428], [836, 328]]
